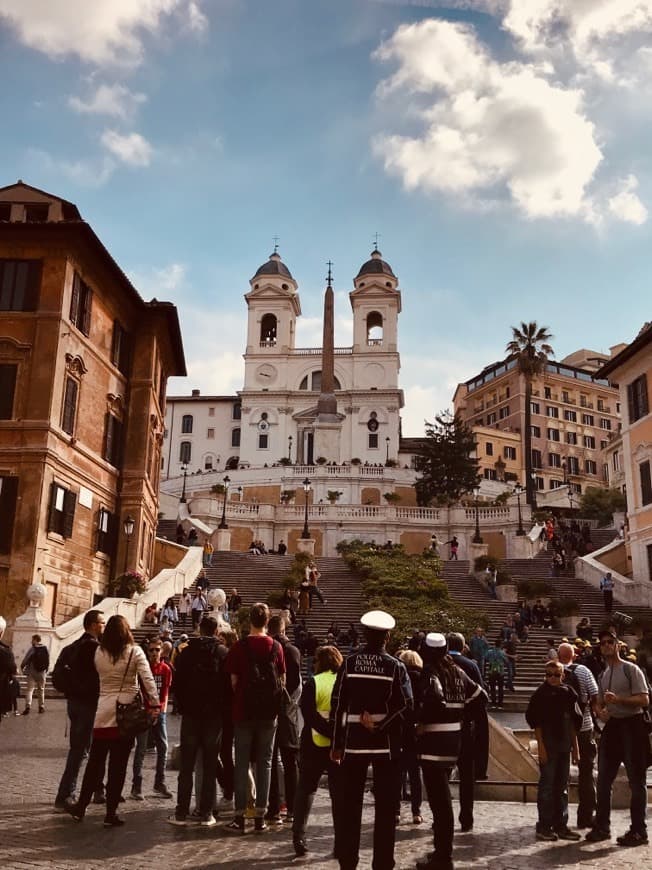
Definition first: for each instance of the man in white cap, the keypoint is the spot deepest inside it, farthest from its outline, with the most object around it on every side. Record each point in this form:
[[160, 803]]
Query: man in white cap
[[371, 694], [446, 692]]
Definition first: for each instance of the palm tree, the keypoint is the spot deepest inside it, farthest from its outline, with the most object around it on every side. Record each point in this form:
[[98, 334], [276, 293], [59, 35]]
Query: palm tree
[[530, 345]]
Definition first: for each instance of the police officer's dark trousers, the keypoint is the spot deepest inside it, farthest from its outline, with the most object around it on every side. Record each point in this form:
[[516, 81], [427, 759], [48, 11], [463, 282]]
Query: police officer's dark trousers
[[348, 794], [435, 779]]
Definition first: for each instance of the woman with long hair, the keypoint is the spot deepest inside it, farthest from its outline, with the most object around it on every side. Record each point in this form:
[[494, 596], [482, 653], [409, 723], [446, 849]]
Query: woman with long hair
[[120, 664], [410, 771], [315, 739]]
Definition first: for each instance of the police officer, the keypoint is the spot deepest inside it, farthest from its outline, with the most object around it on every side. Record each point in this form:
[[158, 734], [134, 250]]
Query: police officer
[[446, 691], [371, 693], [474, 748]]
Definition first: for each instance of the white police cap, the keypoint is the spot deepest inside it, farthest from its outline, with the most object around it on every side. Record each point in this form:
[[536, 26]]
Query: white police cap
[[435, 640], [378, 619]]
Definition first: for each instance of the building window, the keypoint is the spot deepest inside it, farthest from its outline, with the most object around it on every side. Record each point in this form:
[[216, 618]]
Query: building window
[[504, 412], [615, 461], [605, 423], [540, 483], [20, 282], [600, 405], [313, 382], [509, 452], [186, 424], [105, 531], [570, 416], [235, 437], [490, 474], [573, 465], [491, 419], [637, 402], [565, 396], [571, 438], [374, 328], [185, 452], [554, 460], [208, 462], [589, 441], [535, 408], [537, 459], [372, 440], [555, 484], [646, 482], [590, 466], [588, 420], [489, 448], [263, 441], [211, 412], [535, 431], [552, 411], [62, 510], [120, 348], [210, 433], [69, 411], [113, 440], [237, 412], [80, 305], [8, 374], [547, 393], [604, 445], [268, 328], [553, 435], [8, 501], [37, 212], [5, 211]]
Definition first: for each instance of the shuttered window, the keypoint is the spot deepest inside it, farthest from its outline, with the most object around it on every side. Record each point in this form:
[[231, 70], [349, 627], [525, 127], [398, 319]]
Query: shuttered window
[[81, 304], [8, 373], [120, 348], [106, 532], [646, 483], [8, 500], [69, 412], [20, 282], [61, 514], [113, 440], [637, 401]]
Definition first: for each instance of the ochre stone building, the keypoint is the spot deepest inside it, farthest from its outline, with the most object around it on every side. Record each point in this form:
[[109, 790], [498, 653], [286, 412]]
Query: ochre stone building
[[84, 362]]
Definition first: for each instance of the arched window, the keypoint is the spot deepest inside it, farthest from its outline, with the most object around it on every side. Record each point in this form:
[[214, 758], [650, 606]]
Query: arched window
[[237, 412], [374, 328], [209, 462], [186, 424], [314, 378], [235, 437], [185, 452], [268, 330]]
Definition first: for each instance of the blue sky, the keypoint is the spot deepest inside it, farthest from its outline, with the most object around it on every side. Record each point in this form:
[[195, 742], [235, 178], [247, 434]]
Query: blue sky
[[501, 149]]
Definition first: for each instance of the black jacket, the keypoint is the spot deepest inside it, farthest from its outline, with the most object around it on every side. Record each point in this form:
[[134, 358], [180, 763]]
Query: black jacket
[[198, 680]]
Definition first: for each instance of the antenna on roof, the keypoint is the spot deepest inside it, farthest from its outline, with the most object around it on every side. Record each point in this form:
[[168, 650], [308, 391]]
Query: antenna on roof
[[329, 277]]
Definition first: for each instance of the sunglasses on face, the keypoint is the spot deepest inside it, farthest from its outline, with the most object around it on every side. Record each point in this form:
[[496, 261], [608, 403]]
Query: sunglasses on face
[[553, 674], [607, 642]]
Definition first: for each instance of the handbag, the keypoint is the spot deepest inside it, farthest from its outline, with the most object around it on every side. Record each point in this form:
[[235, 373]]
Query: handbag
[[132, 718]]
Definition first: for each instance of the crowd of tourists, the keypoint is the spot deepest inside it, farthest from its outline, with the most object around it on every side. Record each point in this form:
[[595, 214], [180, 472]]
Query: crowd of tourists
[[413, 717]]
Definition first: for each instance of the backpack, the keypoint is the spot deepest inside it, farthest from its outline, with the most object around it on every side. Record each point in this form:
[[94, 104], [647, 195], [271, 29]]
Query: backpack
[[263, 688], [65, 677], [40, 660], [198, 679], [496, 665], [573, 681]]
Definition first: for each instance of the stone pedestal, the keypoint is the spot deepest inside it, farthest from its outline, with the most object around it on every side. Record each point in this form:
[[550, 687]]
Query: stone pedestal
[[507, 592], [306, 545], [33, 621], [521, 547], [222, 538], [327, 440]]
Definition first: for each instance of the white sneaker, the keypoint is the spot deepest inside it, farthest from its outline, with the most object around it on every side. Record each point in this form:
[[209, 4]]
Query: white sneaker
[[208, 821]]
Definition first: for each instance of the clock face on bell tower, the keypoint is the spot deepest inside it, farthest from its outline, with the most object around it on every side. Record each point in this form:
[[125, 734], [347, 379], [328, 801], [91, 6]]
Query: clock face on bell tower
[[266, 374]]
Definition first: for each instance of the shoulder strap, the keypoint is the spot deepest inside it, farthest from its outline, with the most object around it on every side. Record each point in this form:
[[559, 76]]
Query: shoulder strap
[[124, 676]]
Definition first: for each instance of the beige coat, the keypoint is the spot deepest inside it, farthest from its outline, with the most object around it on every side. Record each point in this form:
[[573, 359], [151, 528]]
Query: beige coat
[[111, 675]]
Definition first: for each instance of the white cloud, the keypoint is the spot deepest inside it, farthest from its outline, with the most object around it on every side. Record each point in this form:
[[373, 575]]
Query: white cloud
[[626, 206], [86, 173], [113, 100], [106, 32], [487, 126], [130, 148]]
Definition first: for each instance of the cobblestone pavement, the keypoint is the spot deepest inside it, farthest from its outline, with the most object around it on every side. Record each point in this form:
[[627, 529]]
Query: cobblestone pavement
[[32, 752]]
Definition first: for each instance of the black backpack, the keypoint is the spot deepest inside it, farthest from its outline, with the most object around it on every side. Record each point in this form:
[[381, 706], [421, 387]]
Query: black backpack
[[198, 681], [65, 678], [571, 679], [40, 660], [263, 687]]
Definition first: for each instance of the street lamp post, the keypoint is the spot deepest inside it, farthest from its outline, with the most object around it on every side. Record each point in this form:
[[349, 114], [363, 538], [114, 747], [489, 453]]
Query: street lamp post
[[223, 523], [240, 491], [570, 496], [289, 448], [128, 528], [534, 491], [518, 489], [184, 469], [305, 534], [387, 451], [477, 538]]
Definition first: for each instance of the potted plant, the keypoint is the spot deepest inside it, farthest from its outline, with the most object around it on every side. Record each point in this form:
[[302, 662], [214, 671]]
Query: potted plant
[[287, 495], [506, 589], [391, 497], [565, 612], [285, 460], [321, 460], [333, 495], [356, 461], [127, 585], [530, 590]]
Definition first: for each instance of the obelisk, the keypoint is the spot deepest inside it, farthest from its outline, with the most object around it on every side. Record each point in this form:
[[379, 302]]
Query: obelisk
[[328, 423]]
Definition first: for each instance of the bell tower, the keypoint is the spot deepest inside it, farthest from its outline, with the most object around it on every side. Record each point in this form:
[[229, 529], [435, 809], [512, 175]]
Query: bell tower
[[376, 304], [273, 307]]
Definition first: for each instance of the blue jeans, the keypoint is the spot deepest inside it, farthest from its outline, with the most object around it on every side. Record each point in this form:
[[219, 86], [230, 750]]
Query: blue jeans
[[623, 741], [254, 741], [160, 735], [198, 733], [552, 795], [82, 716]]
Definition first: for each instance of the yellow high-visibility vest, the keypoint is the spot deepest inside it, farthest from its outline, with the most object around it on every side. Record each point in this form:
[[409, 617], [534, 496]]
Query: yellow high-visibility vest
[[324, 683]]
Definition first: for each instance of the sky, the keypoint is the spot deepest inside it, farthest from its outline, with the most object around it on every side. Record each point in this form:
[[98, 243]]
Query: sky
[[499, 148]]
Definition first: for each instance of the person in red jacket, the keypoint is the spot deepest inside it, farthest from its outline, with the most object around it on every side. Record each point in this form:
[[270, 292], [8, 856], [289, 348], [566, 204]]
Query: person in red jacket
[[162, 673]]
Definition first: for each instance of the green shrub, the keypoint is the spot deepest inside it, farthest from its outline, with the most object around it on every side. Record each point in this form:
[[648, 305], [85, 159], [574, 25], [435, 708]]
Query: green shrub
[[482, 562], [534, 588], [503, 578], [565, 607]]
